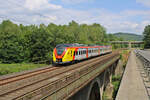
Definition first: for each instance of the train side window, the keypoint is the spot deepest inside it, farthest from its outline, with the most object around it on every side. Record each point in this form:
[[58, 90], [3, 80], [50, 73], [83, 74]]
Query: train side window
[[74, 53]]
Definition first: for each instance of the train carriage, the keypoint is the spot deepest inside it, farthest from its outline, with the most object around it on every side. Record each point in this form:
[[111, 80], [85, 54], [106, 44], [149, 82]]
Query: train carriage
[[66, 53]]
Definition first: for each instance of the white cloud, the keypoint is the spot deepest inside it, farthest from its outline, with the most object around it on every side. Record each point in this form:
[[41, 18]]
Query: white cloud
[[144, 2], [76, 1], [40, 4], [136, 12]]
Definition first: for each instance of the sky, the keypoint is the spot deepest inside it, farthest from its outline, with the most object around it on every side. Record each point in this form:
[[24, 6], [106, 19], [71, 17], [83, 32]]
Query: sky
[[115, 15]]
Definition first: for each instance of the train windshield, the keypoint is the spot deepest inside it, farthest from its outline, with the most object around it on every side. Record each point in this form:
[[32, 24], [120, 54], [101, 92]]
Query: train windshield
[[61, 47], [60, 50]]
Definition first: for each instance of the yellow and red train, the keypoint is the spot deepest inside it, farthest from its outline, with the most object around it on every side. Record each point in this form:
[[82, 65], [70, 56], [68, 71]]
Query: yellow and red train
[[66, 53]]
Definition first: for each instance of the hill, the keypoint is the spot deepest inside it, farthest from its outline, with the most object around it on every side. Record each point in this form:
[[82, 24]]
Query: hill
[[129, 36]]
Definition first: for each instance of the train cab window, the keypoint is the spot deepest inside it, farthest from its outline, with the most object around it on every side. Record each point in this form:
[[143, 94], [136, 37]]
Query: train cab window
[[71, 52]]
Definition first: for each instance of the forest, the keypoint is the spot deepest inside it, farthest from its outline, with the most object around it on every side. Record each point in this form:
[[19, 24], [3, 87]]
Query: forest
[[32, 43]]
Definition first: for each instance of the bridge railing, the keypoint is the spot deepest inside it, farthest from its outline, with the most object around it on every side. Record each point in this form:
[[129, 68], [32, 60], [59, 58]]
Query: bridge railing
[[145, 59]]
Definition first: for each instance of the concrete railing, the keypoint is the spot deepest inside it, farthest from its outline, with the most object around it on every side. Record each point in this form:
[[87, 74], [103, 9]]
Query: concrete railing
[[144, 56]]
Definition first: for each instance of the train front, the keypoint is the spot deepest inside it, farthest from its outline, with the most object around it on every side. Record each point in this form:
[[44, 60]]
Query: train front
[[58, 54]]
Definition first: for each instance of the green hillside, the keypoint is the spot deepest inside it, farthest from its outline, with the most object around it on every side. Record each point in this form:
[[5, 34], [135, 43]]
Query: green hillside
[[129, 36]]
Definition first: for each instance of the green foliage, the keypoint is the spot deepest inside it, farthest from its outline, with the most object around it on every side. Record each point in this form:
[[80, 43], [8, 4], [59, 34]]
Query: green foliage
[[104, 97], [146, 38], [116, 83], [129, 36], [116, 78]]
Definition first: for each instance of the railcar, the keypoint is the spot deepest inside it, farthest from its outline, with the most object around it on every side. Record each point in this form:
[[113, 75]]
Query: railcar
[[67, 53]]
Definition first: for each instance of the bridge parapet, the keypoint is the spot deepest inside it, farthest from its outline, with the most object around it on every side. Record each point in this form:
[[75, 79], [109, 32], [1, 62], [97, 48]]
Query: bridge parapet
[[132, 86], [144, 56]]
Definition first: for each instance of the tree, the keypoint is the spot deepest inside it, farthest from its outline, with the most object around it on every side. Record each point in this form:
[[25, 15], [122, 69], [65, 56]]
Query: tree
[[146, 38]]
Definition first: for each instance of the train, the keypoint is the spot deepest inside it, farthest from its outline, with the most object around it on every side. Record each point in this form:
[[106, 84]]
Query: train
[[69, 53]]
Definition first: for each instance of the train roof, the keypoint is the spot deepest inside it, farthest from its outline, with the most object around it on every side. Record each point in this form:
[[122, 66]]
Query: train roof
[[76, 45]]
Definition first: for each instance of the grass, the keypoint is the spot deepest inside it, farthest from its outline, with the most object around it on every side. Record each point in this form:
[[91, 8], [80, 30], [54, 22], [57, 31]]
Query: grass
[[116, 83], [13, 68], [104, 97], [124, 54]]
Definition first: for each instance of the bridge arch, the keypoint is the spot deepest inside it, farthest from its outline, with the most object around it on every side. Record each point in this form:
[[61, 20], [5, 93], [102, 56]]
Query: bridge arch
[[94, 90], [107, 78]]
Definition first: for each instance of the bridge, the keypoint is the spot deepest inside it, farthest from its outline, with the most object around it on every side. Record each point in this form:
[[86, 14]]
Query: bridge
[[82, 81], [127, 42], [85, 80]]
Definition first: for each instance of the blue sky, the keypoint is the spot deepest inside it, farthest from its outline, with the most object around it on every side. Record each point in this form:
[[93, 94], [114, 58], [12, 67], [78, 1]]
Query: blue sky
[[111, 5], [115, 15]]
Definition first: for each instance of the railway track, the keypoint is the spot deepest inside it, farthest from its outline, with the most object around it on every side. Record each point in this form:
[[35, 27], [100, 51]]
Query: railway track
[[25, 75], [14, 87]]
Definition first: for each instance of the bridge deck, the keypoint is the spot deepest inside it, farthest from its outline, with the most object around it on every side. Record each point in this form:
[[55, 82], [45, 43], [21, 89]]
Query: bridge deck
[[132, 86]]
